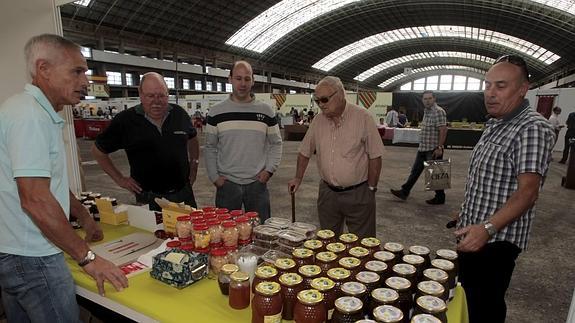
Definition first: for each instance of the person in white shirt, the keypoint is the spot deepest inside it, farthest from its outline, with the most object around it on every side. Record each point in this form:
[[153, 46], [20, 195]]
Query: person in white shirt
[[554, 120], [391, 118]]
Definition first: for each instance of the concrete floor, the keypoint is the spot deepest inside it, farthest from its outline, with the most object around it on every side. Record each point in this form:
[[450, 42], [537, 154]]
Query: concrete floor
[[543, 281]]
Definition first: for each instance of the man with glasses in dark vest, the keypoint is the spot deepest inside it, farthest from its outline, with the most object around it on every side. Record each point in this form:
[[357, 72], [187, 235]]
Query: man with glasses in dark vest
[[349, 151], [506, 172]]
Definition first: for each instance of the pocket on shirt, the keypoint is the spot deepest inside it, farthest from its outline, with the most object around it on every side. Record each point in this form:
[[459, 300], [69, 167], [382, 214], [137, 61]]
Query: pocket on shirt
[[494, 161]]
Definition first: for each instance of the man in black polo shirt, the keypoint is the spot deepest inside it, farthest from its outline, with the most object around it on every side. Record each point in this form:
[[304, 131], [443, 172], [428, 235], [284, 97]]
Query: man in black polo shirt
[[161, 145]]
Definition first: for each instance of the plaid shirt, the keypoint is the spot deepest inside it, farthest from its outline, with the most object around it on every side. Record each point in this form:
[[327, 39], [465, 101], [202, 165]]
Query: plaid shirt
[[518, 143], [433, 118]]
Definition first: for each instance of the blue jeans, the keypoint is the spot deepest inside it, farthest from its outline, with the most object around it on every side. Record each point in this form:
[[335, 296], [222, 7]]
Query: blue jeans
[[416, 171], [38, 289], [254, 197]]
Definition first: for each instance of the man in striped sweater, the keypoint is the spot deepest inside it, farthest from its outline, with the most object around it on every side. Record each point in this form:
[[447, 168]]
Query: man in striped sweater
[[243, 146]]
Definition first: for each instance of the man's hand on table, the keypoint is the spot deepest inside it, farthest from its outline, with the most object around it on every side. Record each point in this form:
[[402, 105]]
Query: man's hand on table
[[130, 184], [93, 231], [102, 270]]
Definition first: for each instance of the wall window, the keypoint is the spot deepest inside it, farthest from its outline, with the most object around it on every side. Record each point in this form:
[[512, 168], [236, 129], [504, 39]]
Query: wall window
[[129, 80], [419, 84], [459, 82], [170, 82], [406, 87], [219, 86], [198, 85], [209, 86], [445, 83], [229, 88], [114, 78], [432, 82], [473, 84], [186, 84]]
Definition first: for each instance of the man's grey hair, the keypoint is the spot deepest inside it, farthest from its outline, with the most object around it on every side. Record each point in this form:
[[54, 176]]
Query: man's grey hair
[[332, 81], [45, 46]]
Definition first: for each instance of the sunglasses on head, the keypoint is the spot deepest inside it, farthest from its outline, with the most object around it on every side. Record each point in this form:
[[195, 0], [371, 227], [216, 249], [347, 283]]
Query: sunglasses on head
[[517, 61], [324, 99]]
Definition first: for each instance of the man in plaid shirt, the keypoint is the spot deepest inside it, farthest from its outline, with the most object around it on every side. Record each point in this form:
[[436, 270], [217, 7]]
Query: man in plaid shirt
[[431, 141], [507, 169]]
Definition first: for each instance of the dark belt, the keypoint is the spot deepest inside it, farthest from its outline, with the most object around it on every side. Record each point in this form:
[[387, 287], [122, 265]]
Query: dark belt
[[343, 189]]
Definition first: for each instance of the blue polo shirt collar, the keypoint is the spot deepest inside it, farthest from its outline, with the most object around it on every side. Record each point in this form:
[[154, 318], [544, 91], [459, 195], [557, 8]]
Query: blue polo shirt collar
[[44, 103]]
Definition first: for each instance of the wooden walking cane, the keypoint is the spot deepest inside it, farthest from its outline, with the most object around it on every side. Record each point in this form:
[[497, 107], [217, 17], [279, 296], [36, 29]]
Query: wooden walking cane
[[292, 206]]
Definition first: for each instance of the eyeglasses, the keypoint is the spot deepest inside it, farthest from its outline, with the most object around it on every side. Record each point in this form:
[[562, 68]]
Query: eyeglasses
[[517, 61], [160, 96], [324, 99]]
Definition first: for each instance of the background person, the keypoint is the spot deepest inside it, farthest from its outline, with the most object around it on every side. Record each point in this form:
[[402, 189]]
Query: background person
[[35, 200], [160, 142]]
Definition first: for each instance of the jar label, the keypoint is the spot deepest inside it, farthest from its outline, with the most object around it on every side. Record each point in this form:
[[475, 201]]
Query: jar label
[[385, 294], [330, 313], [387, 313], [442, 264], [419, 250], [348, 304], [393, 246], [376, 265], [348, 237], [277, 318], [367, 277], [404, 269], [370, 242], [358, 252], [384, 255], [413, 259]]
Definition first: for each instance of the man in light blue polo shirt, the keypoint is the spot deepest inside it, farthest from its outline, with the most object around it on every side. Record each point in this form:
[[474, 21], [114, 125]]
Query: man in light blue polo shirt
[[35, 200]]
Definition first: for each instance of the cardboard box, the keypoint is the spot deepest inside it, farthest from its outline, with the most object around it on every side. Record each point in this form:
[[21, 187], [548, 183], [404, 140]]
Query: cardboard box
[[111, 215], [171, 211]]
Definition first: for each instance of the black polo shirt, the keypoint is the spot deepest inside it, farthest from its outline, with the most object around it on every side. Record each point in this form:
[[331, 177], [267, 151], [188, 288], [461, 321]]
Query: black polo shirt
[[158, 161]]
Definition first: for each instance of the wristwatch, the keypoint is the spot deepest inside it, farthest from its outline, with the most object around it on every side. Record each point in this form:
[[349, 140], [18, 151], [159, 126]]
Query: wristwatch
[[490, 228], [439, 147], [372, 188], [90, 256], [195, 161]]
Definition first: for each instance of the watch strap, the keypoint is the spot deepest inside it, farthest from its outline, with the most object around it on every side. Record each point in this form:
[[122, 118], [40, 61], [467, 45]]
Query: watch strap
[[90, 256]]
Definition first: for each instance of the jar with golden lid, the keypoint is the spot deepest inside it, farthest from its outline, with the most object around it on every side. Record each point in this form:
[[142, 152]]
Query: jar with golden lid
[[431, 288], [372, 244], [360, 253], [339, 276], [224, 277], [336, 247], [267, 303], [449, 268], [291, 285], [309, 272], [310, 307], [406, 271], [431, 305], [314, 245], [326, 260], [350, 240], [383, 296], [370, 279], [378, 267], [385, 256], [285, 265], [395, 248], [355, 289], [303, 256], [351, 263], [348, 309], [421, 251], [264, 273], [403, 287], [326, 287], [424, 318], [388, 314], [439, 276], [183, 226], [416, 261], [450, 255], [326, 236], [239, 290]]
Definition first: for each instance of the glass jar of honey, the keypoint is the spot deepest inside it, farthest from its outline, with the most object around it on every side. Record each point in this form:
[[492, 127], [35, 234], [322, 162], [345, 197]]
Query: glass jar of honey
[[239, 290], [336, 247], [285, 265], [348, 309], [326, 260], [326, 287], [303, 256], [326, 236], [309, 273], [267, 303], [264, 273], [310, 307], [350, 240], [291, 285], [395, 248], [388, 314]]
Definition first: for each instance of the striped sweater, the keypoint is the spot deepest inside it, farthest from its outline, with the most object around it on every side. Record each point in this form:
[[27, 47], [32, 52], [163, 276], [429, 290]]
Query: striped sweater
[[242, 139]]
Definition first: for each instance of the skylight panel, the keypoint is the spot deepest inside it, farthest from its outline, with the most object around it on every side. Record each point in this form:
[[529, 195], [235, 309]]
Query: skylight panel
[[563, 5], [271, 25], [83, 3], [431, 68], [397, 61], [341, 55]]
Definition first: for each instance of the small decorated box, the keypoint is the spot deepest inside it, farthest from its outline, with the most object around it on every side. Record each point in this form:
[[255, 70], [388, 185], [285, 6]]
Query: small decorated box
[[179, 268]]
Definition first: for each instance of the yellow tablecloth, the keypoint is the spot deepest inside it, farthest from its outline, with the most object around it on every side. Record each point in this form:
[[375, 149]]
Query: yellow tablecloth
[[201, 302]]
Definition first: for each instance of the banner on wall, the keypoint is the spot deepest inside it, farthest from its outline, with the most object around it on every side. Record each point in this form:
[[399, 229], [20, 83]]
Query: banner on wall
[[99, 90], [366, 98], [378, 109]]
